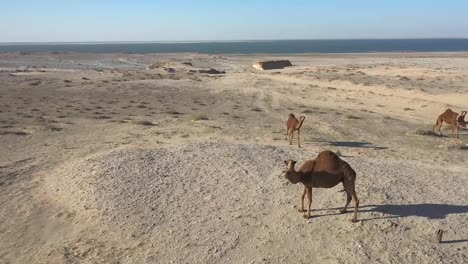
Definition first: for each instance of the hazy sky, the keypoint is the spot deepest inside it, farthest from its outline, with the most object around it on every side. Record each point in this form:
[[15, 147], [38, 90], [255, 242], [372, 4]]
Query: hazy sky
[[138, 20]]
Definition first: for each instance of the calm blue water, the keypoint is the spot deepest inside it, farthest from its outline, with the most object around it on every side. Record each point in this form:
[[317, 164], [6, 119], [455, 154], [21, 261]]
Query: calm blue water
[[249, 47]]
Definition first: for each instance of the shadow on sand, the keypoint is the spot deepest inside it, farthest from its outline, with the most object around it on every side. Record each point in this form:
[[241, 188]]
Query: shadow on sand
[[429, 211], [454, 241], [351, 144]]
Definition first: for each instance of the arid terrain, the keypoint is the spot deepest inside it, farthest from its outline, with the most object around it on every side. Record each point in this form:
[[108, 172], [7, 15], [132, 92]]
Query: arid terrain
[[128, 158]]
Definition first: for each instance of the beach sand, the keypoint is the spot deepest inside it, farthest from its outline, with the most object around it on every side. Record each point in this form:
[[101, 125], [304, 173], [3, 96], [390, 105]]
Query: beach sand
[[103, 160]]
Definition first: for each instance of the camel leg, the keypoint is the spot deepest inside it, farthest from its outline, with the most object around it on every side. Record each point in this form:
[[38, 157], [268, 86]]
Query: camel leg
[[458, 130], [302, 200], [344, 188], [348, 200], [287, 133], [356, 205], [439, 125], [299, 138], [291, 137], [309, 196], [436, 125], [351, 194]]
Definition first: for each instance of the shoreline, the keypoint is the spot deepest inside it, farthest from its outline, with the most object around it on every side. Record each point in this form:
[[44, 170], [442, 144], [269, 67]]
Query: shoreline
[[308, 54], [253, 47]]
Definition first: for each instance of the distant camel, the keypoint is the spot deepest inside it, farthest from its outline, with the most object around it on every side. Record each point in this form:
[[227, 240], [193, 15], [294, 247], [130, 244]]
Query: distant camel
[[293, 124], [325, 171], [452, 118]]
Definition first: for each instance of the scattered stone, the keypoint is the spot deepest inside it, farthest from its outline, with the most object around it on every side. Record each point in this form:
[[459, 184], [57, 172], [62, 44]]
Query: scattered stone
[[439, 234], [212, 71]]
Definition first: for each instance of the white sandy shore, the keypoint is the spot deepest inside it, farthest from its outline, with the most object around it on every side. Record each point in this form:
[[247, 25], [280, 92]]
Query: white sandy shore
[[105, 161]]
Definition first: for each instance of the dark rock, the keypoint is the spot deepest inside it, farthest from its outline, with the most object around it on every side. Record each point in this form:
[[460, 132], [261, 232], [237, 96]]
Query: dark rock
[[212, 71], [271, 65]]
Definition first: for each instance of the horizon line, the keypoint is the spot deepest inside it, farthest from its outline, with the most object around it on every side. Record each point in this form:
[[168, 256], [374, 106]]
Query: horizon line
[[207, 41]]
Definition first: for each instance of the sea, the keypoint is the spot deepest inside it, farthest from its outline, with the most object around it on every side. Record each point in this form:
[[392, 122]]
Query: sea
[[250, 47]]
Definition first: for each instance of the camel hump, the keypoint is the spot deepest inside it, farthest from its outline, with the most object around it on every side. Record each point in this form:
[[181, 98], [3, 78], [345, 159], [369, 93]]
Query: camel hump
[[448, 111], [328, 159], [308, 166], [292, 115], [328, 155]]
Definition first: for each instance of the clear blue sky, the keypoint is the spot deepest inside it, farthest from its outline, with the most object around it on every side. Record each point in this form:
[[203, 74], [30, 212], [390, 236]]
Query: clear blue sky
[[183, 20]]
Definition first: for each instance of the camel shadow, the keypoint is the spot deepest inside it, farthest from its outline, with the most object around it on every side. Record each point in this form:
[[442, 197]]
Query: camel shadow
[[351, 144], [454, 241], [429, 211]]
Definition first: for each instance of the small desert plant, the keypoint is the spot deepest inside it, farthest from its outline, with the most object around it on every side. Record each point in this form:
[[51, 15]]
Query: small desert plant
[[200, 117], [174, 113], [424, 132], [18, 133], [352, 117], [456, 145], [145, 123], [256, 109]]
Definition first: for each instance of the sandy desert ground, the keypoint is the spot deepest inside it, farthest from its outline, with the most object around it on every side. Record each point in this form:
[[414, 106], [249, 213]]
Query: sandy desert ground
[[103, 160]]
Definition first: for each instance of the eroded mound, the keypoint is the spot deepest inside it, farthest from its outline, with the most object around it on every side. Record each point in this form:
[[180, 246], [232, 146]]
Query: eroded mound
[[155, 185], [208, 202]]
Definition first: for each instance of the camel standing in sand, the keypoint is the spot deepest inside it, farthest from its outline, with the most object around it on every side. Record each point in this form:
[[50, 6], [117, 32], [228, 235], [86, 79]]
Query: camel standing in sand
[[325, 171], [452, 118], [293, 124]]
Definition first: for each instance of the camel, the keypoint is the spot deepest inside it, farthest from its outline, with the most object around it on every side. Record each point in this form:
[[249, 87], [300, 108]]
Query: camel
[[452, 118], [325, 171], [293, 124]]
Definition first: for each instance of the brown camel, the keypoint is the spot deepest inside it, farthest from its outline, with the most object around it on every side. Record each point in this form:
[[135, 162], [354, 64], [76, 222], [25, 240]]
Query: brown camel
[[452, 118], [293, 124], [325, 171]]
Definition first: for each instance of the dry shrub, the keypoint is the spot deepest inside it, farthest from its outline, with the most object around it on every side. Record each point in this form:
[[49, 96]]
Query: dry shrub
[[352, 117], [201, 117], [145, 123], [424, 132], [456, 145]]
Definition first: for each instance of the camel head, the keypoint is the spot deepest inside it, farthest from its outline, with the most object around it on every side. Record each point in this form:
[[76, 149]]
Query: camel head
[[461, 119], [301, 120], [290, 172]]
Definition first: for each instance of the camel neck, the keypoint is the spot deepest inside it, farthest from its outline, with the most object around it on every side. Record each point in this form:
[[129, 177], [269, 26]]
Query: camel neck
[[299, 124], [296, 176]]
